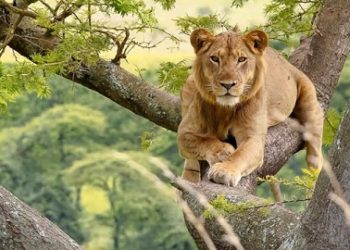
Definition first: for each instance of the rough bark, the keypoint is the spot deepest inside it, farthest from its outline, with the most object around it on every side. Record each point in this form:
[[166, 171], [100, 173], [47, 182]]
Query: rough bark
[[21, 227], [257, 228], [321, 57], [323, 225]]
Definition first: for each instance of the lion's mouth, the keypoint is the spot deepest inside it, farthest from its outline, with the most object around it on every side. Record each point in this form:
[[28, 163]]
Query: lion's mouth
[[227, 100], [228, 94]]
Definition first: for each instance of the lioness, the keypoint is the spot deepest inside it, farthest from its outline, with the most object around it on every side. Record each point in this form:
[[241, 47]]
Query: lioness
[[239, 87]]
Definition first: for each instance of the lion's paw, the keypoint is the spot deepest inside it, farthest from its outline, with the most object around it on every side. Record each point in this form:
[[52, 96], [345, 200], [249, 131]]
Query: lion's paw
[[221, 154], [224, 173]]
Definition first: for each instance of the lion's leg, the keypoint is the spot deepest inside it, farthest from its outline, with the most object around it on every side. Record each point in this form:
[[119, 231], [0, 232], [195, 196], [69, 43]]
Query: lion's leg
[[248, 156], [198, 147], [310, 115], [191, 171]]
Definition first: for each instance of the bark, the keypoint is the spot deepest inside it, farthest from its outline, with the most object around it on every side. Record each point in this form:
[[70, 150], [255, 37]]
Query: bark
[[323, 225], [321, 57], [24, 228], [257, 228]]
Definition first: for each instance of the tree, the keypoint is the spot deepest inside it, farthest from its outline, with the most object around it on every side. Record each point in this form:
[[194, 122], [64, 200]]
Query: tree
[[32, 156], [129, 196], [324, 51]]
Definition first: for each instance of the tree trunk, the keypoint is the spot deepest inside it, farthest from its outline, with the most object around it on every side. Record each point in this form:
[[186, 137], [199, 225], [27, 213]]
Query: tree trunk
[[323, 225], [21, 227]]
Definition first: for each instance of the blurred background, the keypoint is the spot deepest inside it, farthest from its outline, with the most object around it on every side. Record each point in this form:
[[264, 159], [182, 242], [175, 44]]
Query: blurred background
[[65, 154]]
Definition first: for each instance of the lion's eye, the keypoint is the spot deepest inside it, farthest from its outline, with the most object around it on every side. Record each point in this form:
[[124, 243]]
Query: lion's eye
[[242, 59], [214, 59]]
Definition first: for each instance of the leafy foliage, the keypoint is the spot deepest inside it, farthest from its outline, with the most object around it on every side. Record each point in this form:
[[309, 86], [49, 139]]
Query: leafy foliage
[[31, 157], [287, 18], [15, 80], [114, 173], [223, 206], [306, 182], [166, 4], [238, 3], [210, 22], [172, 76]]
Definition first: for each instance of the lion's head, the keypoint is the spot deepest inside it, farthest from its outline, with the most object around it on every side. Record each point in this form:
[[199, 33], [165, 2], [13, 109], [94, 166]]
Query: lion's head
[[229, 67]]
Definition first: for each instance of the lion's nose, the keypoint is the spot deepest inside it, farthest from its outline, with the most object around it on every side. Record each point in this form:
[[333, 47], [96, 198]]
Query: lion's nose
[[228, 85]]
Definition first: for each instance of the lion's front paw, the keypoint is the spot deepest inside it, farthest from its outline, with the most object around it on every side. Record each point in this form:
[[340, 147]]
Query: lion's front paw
[[225, 173], [220, 154]]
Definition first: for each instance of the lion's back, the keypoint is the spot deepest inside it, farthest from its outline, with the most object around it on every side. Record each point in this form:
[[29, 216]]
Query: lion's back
[[281, 86]]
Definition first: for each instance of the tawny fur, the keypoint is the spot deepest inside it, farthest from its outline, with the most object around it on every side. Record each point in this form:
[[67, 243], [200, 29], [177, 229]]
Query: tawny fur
[[239, 87]]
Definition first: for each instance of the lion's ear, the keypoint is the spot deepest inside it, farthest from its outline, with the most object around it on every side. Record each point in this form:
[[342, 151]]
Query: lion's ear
[[199, 38], [257, 41]]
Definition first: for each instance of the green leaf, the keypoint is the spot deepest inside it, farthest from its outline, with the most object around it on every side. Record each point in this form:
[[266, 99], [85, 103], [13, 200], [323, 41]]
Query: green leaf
[[331, 124], [238, 3], [172, 76], [166, 4], [210, 22]]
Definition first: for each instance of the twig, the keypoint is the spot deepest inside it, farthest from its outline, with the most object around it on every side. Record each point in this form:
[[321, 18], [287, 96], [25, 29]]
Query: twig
[[11, 34], [120, 48], [278, 203], [58, 5], [331, 125], [327, 167], [196, 223], [48, 7], [16, 10], [276, 191], [66, 13], [342, 204], [89, 15]]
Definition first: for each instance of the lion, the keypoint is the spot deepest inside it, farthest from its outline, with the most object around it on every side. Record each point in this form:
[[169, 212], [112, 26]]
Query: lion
[[238, 88]]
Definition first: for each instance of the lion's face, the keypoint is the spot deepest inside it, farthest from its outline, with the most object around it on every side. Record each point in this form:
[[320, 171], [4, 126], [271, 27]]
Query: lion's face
[[226, 64]]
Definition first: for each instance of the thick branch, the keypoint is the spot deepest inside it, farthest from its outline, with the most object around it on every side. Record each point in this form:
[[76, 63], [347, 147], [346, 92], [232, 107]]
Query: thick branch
[[257, 228], [323, 225], [24, 228]]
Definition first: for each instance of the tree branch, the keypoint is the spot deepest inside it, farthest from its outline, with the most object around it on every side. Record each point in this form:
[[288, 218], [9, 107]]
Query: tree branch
[[24, 228], [16, 10], [257, 229]]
